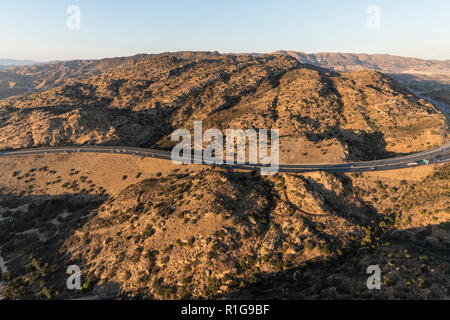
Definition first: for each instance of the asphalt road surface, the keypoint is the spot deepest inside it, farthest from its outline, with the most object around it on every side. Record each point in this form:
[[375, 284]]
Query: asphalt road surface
[[434, 156]]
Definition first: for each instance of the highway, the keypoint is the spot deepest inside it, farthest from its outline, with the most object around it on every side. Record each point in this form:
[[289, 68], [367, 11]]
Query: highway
[[444, 108], [434, 156]]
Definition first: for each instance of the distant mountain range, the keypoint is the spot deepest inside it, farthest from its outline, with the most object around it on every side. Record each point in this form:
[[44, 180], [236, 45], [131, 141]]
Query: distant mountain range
[[345, 62], [23, 76], [13, 62], [417, 74]]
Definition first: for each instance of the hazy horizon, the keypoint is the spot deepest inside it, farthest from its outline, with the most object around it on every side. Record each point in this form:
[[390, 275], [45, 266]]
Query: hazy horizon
[[161, 52], [47, 31]]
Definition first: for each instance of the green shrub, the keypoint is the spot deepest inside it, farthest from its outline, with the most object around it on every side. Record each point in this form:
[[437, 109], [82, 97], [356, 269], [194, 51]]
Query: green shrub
[[148, 232], [212, 286], [248, 262], [309, 245]]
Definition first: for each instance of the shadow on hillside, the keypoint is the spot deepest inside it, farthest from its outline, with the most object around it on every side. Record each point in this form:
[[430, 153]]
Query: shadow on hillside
[[244, 183], [143, 128], [365, 145], [421, 82], [345, 276], [362, 145], [151, 128], [325, 277], [346, 205], [354, 210], [32, 235]]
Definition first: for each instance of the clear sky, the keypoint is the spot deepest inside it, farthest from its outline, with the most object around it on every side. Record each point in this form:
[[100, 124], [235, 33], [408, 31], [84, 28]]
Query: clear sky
[[37, 29]]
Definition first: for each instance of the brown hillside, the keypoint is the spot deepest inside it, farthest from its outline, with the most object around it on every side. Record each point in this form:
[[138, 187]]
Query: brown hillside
[[193, 233], [322, 116]]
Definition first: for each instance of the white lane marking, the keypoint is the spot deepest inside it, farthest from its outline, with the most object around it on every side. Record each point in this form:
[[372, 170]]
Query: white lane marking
[[356, 165]]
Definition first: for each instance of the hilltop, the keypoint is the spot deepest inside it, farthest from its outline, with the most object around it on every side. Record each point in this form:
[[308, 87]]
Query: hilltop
[[418, 74], [386, 63], [19, 79], [322, 115]]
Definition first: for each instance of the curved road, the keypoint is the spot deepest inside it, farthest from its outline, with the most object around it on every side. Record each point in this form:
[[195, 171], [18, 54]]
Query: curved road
[[434, 156]]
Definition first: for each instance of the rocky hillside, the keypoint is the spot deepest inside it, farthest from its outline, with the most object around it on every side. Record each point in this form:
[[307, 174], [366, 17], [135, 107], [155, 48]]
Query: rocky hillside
[[16, 80], [346, 62], [20, 79], [418, 74], [219, 234], [148, 228], [322, 116]]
